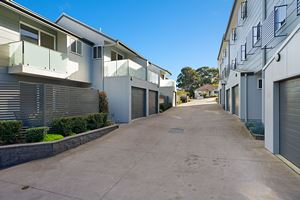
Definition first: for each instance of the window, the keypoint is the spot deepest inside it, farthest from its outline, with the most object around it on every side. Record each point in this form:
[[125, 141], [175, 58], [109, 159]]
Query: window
[[233, 34], [97, 52], [256, 34], [244, 52], [244, 10], [76, 46], [279, 17], [259, 83], [233, 64], [224, 53], [152, 77], [29, 34], [298, 7], [47, 41], [116, 56]]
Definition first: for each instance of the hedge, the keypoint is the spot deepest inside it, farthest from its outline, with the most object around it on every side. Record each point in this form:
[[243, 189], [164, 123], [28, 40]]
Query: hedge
[[67, 126], [10, 131], [36, 134]]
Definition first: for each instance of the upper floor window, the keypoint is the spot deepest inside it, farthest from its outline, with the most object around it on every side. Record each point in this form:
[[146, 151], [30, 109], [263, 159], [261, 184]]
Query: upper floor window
[[233, 34], [259, 83], [244, 10], [256, 34], [233, 64], [224, 53], [279, 17], [243, 52], [76, 46], [37, 36], [116, 56], [97, 52], [298, 7]]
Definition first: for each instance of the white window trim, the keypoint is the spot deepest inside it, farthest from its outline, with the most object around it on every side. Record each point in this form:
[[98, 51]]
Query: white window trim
[[76, 40], [259, 79], [97, 52], [39, 33], [281, 25]]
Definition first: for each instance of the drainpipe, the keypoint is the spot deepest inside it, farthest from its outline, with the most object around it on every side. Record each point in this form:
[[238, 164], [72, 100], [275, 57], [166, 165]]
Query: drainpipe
[[264, 58], [246, 97]]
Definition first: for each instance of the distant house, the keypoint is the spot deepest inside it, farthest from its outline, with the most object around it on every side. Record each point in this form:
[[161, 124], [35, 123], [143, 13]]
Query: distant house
[[206, 90]]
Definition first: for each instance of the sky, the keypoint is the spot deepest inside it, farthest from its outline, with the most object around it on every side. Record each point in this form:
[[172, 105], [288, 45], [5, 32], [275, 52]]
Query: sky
[[170, 33]]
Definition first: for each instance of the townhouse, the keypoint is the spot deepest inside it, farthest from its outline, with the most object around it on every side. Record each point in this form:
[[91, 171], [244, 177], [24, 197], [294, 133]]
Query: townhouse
[[258, 64], [49, 70], [131, 82]]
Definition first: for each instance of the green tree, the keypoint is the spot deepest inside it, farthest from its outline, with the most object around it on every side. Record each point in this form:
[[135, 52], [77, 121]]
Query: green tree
[[189, 80], [208, 75]]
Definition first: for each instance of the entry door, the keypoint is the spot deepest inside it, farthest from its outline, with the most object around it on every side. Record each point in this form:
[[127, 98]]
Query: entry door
[[153, 105], [228, 100], [236, 100], [138, 102], [289, 135]]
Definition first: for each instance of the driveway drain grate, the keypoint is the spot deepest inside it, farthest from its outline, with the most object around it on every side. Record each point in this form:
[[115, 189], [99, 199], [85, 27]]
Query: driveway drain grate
[[176, 130]]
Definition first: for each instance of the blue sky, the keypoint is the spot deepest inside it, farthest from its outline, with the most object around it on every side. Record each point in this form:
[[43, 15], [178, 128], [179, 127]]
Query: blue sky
[[170, 33]]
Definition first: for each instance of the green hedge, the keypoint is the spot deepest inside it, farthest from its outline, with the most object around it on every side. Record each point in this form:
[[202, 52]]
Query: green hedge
[[52, 137], [10, 131], [67, 126], [36, 134]]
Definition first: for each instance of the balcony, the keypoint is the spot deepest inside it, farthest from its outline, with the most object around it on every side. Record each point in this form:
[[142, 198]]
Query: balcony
[[124, 68], [24, 58], [167, 83]]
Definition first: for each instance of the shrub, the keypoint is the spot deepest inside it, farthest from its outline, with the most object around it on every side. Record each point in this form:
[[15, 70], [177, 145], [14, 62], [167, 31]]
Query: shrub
[[184, 99], [52, 137], [10, 131], [256, 127], [62, 126], [91, 122], [78, 124], [103, 102], [36, 134]]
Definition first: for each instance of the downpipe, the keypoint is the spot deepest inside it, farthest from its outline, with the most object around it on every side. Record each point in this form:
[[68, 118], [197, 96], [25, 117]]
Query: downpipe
[[246, 97]]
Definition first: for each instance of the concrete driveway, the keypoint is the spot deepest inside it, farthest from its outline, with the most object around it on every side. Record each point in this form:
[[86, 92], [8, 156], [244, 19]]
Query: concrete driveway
[[196, 151]]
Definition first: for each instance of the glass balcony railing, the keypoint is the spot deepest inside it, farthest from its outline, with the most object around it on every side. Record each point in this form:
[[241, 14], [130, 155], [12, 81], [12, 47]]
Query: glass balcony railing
[[167, 83], [124, 68], [23, 53]]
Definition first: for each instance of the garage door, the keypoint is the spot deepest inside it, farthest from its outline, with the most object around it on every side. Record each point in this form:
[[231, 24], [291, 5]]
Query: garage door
[[289, 136], [138, 102], [235, 100], [152, 102], [228, 102]]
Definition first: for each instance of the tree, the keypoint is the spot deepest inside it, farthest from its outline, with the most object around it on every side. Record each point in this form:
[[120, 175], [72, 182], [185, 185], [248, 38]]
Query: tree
[[208, 75], [188, 80]]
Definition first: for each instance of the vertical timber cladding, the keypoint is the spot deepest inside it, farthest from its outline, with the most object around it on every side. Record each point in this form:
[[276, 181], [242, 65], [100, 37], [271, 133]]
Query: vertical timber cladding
[[138, 102], [235, 100], [289, 117], [153, 103]]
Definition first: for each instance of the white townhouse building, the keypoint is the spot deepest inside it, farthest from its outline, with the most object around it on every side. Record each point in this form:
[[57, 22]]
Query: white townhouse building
[[259, 70], [49, 70], [131, 82]]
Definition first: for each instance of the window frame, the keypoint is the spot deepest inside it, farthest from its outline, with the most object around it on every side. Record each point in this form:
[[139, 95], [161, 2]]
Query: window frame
[[234, 34], [97, 52], [39, 34], [298, 7], [117, 55], [76, 46], [244, 52], [256, 34], [258, 83], [281, 23], [244, 10]]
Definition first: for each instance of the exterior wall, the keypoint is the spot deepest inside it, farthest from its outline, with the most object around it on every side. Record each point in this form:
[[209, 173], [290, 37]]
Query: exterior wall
[[233, 80], [169, 93], [118, 94], [287, 67]]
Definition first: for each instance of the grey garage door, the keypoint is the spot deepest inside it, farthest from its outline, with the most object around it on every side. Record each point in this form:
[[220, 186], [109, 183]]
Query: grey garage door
[[153, 102], [228, 102], [289, 135], [235, 100], [138, 102]]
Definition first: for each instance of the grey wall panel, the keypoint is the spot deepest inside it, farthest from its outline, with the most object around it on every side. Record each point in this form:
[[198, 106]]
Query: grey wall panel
[[153, 102]]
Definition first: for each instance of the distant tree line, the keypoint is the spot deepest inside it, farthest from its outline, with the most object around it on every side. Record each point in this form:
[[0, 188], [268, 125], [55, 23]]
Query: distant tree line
[[190, 79]]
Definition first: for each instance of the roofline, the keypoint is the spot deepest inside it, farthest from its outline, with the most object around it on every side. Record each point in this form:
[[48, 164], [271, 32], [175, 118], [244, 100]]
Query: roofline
[[15, 6], [162, 69], [227, 28]]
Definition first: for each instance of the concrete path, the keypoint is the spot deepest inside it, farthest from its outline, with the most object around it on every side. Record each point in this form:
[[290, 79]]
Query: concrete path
[[193, 152]]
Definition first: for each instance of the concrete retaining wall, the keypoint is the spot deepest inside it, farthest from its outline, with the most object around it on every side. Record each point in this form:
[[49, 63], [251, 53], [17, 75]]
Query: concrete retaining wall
[[19, 153]]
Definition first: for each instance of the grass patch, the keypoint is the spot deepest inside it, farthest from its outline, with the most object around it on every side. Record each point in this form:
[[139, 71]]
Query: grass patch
[[52, 137]]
